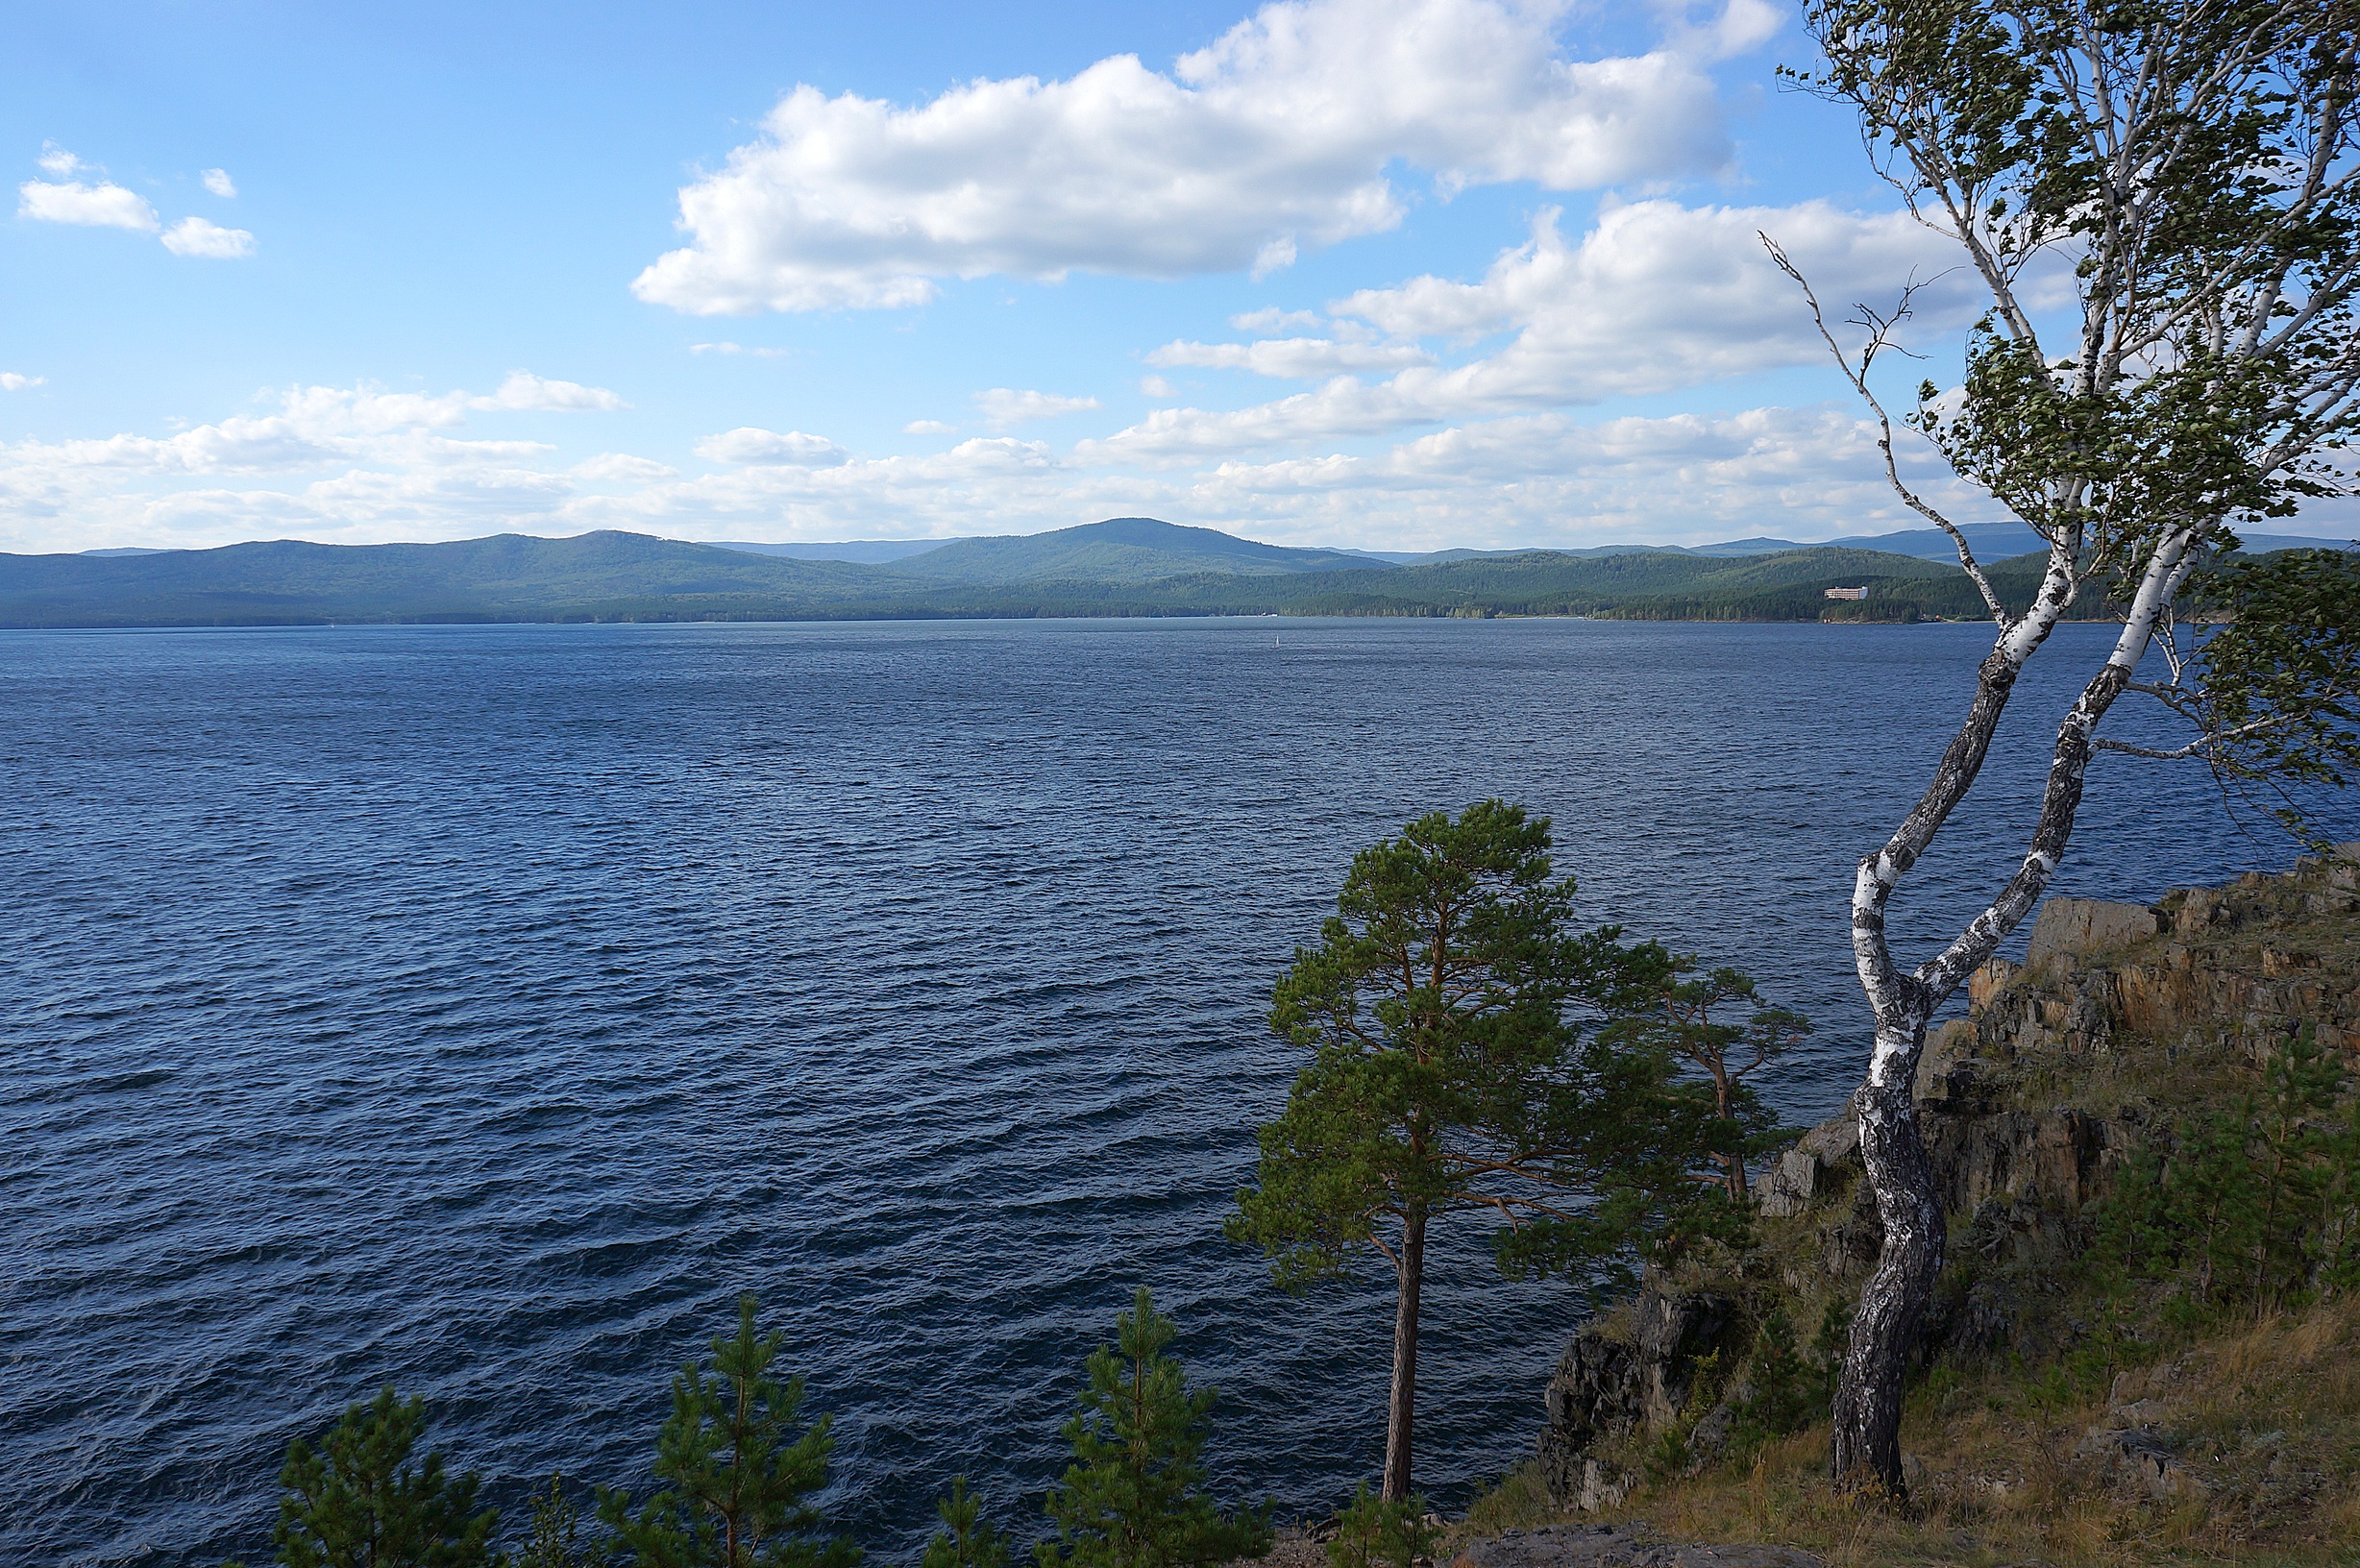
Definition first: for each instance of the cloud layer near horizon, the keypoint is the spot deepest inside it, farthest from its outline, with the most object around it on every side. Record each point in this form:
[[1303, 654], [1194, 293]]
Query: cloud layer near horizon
[[1655, 295]]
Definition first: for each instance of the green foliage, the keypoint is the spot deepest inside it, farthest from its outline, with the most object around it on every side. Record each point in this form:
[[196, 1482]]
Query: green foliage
[[967, 1540], [2259, 1205], [1133, 1497], [2211, 236], [2282, 683], [358, 1502], [737, 1474], [1788, 1393], [1443, 1012], [1693, 1022], [1375, 1531], [555, 1541]]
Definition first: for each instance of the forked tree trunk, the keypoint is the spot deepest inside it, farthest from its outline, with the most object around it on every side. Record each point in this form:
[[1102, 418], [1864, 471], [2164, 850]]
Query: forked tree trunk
[[1884, 1326], [1866, 1414], [1412, 1273]]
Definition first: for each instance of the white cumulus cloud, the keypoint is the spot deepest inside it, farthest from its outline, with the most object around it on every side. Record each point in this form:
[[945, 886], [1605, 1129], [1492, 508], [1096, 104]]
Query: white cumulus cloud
[[927, 426], [524, 390], [1657, 297], [196, 236], [219, 183], [750, 446], [1003, 406], [11, 382], [1277, 136], [622, 468], [1274, 320], [734, 348], [104, 205], [1292, 359]]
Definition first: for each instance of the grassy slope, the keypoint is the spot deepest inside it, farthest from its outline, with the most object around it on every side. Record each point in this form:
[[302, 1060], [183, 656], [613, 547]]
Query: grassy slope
[[2001, 1482], [2264, 1407]]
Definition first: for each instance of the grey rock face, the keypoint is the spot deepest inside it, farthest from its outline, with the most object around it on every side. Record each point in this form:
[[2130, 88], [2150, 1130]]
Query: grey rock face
[[2082, 926], [1607, 1387], [2143, 1459], [2229, 966]]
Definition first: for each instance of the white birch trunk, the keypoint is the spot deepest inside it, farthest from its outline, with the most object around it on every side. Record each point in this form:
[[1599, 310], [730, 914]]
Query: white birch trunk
[[1866, 1414]]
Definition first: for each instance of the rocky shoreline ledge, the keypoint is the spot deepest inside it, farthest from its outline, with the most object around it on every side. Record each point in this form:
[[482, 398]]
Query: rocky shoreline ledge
[[2065, 1071]]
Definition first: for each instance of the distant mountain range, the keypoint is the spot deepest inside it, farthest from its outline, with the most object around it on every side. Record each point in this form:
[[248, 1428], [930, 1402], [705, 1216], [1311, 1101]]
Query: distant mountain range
[[1124, 566], [1990, 540]]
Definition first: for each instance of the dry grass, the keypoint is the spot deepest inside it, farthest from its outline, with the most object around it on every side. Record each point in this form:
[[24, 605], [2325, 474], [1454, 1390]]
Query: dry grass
[[2266, 1419]]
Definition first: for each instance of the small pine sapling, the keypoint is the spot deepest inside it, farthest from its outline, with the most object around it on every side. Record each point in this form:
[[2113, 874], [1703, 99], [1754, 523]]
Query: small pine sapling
[[1133, 1497], [1377, 1532], [738, 1474], [965, 1539], [2300, 1086], [1787, 1393], [555, 1541]]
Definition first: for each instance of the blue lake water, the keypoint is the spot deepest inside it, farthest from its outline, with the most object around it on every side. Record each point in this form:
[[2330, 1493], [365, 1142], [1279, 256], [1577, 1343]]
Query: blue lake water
[[480, 1008]]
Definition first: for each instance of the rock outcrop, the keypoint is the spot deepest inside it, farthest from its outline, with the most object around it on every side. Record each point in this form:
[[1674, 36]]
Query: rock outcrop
[[2124, 988]]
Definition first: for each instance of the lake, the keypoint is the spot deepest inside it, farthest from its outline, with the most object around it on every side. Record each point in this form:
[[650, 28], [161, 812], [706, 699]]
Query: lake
[[480, 1010]]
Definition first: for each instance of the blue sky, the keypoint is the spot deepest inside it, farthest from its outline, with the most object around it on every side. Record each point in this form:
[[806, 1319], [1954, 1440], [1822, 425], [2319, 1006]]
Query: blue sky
[[1390, 272]]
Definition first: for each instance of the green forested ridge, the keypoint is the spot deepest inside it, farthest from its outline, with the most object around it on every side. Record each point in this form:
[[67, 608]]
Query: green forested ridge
[[1123, 550], [1126, 566]]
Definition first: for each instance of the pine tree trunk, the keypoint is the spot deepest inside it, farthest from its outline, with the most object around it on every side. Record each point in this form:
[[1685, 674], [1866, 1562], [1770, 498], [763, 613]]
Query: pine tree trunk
[[1411, 1274], [1884, 1327]]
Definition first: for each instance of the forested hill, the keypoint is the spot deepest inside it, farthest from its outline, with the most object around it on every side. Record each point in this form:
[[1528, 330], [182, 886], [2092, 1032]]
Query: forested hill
[[1131, 565]]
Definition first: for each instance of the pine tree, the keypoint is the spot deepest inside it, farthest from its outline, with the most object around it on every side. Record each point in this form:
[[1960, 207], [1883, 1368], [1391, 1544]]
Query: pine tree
[[1376, 1531], [2212, 1194], [737, 1474], [358, 1502], [1132, 1496], [1788, 1393], [2339, 1238], [1694, 1022], [2259, 1205], [1453, 1019], [966, 1540], [2300, 1083]]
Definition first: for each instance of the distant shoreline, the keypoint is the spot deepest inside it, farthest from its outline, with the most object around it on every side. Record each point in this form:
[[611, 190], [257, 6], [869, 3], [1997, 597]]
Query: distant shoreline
[[1120, 569]]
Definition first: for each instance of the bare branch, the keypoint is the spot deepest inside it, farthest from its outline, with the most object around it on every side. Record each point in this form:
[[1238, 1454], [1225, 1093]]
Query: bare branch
[[1880, 337]]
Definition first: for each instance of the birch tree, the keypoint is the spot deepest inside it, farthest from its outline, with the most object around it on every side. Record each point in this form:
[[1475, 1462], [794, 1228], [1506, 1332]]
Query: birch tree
[[2180, 174]]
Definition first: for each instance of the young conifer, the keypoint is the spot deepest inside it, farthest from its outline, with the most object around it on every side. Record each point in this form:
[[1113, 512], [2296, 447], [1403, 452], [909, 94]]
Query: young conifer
[[738, 1475], [1377, 1532], [1133, 1497], [556, 1538], [967, 1540], [358, 1502]]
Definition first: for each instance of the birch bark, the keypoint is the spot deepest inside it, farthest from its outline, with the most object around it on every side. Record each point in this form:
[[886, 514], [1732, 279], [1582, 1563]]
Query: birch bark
[[2191, 165]]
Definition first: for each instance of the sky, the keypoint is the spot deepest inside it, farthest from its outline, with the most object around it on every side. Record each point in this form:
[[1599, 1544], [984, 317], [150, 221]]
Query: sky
[[1389, 274]]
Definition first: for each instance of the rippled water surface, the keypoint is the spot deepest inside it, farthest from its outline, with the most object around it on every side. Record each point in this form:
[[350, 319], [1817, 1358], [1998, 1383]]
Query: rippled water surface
[[481, 1009]]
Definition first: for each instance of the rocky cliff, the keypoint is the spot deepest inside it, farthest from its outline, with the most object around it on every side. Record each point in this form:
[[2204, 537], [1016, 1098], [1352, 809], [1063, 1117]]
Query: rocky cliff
[[2122, 1018]]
